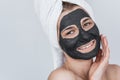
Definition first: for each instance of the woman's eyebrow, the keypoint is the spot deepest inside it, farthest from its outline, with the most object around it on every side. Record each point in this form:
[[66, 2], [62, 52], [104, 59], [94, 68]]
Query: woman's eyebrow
[[85, 19], [69, 27]]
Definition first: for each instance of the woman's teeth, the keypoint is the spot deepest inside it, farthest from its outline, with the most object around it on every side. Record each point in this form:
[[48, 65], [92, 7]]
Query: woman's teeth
[[87, 45], [84, 47]]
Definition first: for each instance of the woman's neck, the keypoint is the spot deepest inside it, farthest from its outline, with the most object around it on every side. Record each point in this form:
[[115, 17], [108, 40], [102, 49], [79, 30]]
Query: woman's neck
[[78, 67]]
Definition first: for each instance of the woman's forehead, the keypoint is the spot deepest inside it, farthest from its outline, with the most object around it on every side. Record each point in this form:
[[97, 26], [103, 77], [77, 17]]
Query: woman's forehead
[[67, 12]]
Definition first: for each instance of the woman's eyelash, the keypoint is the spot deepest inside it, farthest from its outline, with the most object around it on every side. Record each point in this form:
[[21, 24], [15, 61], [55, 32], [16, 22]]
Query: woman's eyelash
[[70, 32], [88, 23]]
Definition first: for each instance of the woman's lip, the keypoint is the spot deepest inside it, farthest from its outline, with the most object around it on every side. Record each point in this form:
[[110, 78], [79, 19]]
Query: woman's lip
[[87, 47]]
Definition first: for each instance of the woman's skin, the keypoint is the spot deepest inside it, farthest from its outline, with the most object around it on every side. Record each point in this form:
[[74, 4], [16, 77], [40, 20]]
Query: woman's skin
[[74, 69]]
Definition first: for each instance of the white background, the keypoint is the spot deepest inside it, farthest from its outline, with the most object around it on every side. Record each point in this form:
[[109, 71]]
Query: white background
[[24, 49]]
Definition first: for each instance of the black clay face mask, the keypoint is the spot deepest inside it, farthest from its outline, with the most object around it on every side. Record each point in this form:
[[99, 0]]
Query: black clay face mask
[[84, 38]]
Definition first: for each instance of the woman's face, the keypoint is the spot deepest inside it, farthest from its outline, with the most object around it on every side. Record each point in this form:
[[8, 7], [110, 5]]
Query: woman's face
[[78, 35]]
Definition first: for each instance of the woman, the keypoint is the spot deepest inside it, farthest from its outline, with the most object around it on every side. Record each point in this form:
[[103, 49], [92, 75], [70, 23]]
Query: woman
[[78, 69], [79, 39]]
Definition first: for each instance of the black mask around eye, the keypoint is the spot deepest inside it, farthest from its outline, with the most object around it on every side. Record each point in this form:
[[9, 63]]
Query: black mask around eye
[[69, 45]]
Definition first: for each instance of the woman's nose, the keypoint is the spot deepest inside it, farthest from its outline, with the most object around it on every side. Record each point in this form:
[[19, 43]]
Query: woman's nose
[[85, 36]]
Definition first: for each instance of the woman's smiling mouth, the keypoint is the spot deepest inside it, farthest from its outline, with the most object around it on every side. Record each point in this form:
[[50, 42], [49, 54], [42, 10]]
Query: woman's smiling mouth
[[87, 47]]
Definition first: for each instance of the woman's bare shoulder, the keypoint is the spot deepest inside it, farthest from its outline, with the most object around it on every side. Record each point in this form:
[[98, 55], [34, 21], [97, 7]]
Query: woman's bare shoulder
[[113, 72], [61, 74]]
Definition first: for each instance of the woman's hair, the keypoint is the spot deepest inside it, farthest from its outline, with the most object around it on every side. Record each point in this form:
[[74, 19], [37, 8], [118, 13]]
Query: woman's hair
[[68, 6]]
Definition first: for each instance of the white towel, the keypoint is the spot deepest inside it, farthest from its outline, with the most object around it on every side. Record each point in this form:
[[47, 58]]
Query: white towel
[[48, 12]]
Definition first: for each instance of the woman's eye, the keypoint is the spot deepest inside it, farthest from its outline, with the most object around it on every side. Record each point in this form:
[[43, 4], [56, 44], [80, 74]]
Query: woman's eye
[[87, 24], [70, 32]]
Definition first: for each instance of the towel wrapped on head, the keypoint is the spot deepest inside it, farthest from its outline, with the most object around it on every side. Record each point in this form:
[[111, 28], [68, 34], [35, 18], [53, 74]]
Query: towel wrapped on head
[[48, 12]]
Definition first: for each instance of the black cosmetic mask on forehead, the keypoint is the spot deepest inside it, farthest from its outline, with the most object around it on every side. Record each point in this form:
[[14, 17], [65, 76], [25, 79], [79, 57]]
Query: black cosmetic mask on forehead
[[69, 45]]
